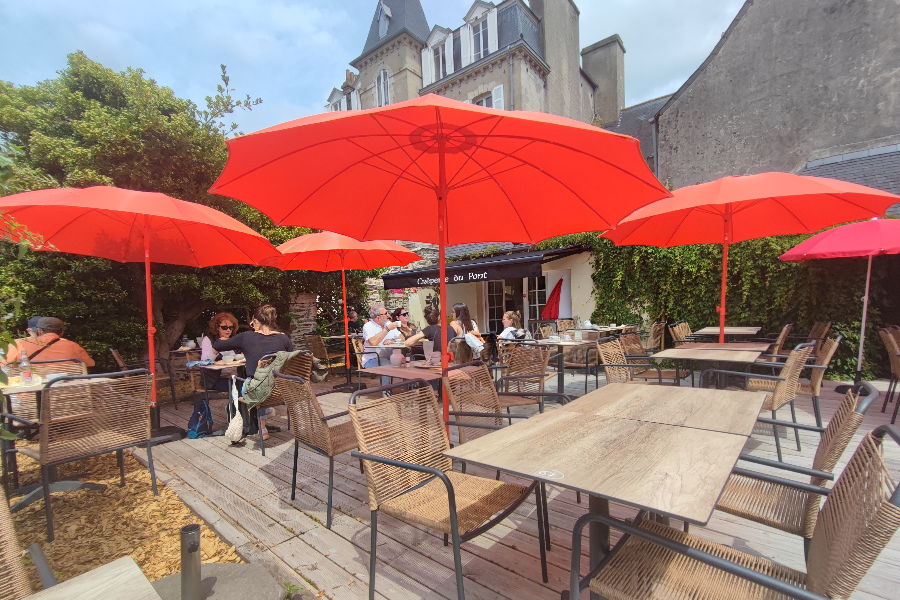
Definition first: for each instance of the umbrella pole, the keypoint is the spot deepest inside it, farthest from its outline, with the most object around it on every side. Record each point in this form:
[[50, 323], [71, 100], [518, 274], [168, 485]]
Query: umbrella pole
[[722, 300], [151, 334], [862, 330], [442, 193], [346, 323]]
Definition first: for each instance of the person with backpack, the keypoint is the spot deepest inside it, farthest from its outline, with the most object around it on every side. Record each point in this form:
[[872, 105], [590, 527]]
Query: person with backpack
[[263, 340]]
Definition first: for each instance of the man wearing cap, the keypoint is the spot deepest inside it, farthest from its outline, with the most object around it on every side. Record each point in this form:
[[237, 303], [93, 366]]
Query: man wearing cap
[[48, 345]]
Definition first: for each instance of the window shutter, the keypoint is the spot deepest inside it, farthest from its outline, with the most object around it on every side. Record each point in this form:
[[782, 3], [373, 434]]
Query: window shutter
[[497, 97], [427, 66], [448, 53], [356, 100], [493, 39], [465, 42]]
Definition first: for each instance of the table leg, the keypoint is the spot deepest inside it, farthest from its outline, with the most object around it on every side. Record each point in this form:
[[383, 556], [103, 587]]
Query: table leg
[[560, 372], [599, 533]]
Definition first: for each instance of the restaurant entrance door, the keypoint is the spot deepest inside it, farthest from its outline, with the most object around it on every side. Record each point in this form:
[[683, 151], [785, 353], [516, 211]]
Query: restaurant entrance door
[[503, 295]]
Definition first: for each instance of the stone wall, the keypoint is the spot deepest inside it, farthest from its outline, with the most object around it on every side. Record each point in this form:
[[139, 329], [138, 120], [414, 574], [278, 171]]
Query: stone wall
[[401, 59], [559, 21], [788, 79]]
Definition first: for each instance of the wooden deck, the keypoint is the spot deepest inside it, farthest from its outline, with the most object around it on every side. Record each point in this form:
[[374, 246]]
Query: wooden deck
[[253, 492]]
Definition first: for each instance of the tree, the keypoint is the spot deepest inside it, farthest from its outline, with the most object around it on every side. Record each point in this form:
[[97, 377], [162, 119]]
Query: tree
[[94, 126]]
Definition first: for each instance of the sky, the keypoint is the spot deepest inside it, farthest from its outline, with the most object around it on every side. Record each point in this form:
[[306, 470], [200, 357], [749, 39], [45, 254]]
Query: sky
[[292, 53]]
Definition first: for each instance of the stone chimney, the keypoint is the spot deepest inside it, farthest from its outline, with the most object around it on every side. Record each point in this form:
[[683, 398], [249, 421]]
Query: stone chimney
[[605, 63], [559, 31]]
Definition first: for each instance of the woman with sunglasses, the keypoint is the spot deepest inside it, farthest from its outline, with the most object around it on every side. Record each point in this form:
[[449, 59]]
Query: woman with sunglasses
[[221, 327], [406, 329]]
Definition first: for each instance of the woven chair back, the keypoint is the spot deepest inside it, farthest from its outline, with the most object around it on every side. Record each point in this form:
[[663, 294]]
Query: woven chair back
[[611, 352], [359, 348], [778, 347], [655, 337], [823, 359], [631, 328], [818, 333], [546, 331], [14, 583], [305, 412], [895, 331], [316, 345], [86, 416], [837, 435], [890, 343], [563, 325], [677, 332], [632, 346], [504, 350], [786, 389], [855, 524], [685, 329], [298, 366], [471, 389], [406, 426], [120, 362], [527, 359], [461, 351], [27, 408]]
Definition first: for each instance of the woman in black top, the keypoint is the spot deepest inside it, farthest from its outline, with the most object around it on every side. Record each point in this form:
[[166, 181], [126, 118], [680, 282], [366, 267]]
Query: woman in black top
[[264, 339]]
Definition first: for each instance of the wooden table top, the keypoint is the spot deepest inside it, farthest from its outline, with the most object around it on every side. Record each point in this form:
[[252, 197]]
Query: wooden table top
[[742, 356], [428, 374], [714, 410], [760, 346], [221, 364], [119, 580], [729, 331], [673, 470], [565, 342]]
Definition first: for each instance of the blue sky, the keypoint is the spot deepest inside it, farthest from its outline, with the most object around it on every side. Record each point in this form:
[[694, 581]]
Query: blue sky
[[291, 53]]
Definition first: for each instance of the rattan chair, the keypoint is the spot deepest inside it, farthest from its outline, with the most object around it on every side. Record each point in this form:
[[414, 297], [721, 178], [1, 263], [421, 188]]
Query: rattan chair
[[582, 357], [785, 389], [617, 368], [316, 345], [893, 352], [817, 334], [636, 353], [790, 509], [28, 403], [651, 560], [88, 415], [655, 336], [526, 374], [14, 584], [777, 350], [163, 370], [313, 429], [564, 325], [402, 440]]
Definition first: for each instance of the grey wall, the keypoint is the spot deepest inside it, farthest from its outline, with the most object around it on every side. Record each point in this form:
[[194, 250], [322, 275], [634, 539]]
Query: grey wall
[[559, 21], [605, 63], [792, 77]]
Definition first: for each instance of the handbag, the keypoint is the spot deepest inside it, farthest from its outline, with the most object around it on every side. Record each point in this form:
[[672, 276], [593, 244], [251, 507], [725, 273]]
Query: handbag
[[235, 431]]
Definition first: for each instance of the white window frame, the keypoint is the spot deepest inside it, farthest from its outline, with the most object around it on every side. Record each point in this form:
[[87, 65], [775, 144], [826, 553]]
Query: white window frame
[[487, 101], [382, 89], [439, 54], [480, 37]]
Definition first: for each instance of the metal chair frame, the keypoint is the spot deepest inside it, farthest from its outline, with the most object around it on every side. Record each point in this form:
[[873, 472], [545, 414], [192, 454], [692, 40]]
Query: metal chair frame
[[143, 363]]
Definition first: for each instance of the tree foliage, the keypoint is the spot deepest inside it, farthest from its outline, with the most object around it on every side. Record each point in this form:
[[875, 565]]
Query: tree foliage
[[94, 126]]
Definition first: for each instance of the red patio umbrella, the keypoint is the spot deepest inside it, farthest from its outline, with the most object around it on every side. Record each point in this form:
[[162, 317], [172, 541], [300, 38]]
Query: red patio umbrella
[[734, 209], [868, 238], [329, 251], [441, 171], [131, 226], [550, 312]]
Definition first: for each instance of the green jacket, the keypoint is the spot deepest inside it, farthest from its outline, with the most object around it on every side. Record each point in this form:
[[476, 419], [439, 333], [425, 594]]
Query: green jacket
[[258, 389]]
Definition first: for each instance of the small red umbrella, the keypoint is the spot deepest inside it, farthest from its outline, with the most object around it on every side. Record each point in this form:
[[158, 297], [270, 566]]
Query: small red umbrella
[[550, 312], [734, 209], [329, 251], [131, 226], [868, 238], [432, 169]]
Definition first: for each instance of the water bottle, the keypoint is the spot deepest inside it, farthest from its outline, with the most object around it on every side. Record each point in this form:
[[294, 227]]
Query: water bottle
[[25, 369]]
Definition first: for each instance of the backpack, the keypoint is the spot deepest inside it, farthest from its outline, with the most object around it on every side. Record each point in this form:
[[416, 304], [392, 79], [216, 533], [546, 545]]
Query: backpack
[[201, 421]]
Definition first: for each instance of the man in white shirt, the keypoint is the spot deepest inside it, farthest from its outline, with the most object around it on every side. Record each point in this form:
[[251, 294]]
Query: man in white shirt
[[375, 332]]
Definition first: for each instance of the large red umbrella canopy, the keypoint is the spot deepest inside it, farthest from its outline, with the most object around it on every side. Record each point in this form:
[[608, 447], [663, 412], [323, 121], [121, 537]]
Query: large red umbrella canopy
[[327, 251], [865, 239], [734, 209], [441, 171], [130, 226]]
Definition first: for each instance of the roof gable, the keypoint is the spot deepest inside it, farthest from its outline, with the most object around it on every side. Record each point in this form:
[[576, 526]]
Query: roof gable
[[405, 15]]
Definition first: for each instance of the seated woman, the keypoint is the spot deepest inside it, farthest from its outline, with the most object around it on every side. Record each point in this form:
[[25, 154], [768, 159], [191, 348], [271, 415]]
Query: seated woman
[[406, 329], [512, 326], [264, 339], [221, 327]]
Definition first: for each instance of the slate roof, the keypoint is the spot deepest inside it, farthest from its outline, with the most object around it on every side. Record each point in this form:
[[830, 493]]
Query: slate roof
[[406, 15], [878, 170], [466, 250], [635, 121]]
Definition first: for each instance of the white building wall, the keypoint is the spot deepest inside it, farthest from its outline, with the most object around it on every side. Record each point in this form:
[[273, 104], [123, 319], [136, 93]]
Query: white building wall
[[580, 287]]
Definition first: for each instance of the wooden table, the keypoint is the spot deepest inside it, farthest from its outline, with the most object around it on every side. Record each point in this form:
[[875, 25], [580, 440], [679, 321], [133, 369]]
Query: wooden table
[[760, 346], [429, 374], [729, 331], [725, 355], [119, 580], [560, 364], [657, 448]]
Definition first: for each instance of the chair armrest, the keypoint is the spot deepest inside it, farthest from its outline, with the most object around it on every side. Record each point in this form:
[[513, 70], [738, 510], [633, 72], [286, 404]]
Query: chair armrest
[[704, 557], [739, 374], [20, 420], [487, 415], [787, 467], [44, 570], [336, 415], [797, 485], [326, 392], [528, 376], [498, 366], [542, 394], [812, 428], [451, 496], [473, 425]]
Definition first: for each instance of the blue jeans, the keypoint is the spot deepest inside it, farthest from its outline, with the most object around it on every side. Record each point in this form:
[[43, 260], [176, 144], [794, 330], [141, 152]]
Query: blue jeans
[[372, 361]]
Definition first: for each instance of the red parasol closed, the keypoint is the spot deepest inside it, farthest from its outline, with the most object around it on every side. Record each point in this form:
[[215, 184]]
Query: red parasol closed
[[132, 226], [734, 209], [550, 312]]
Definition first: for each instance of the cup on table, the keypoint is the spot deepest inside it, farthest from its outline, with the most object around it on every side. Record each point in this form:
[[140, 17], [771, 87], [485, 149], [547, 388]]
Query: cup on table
[[434, 358], [238, 357], [553, 338], [567, 338], [228, 358], [612, 324]]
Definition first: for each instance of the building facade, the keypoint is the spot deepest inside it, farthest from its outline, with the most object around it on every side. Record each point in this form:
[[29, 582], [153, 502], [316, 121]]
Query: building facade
[[509, 55]]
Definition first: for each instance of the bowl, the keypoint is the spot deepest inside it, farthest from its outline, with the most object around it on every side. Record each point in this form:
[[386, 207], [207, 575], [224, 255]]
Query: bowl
[[238, 357], [190, 344], [228, 359]]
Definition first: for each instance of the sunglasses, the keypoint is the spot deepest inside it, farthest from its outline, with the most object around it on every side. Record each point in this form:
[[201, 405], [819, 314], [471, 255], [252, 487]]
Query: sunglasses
[[228, 327], [406, 314]]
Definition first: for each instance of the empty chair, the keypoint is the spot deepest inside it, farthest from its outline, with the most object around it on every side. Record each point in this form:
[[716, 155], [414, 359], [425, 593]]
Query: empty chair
[[636, 353], [893, 351], [617, 367], [163, 370], [655, 336], [525, 376], [313, 429], [860, 515], [788, 508], [777, 350], [316, 345], [563, 325], [402, 441], [631, 328]]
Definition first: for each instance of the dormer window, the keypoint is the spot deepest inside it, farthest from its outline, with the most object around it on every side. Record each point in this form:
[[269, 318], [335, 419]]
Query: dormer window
[[384, 13], [480, 38], [440, 61]]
